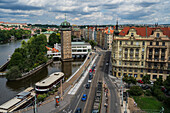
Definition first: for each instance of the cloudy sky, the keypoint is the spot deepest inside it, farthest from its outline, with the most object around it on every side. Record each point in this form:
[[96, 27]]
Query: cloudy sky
[[85, 11]]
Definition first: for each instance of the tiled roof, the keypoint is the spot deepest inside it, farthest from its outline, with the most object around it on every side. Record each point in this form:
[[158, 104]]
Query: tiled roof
[[142, 31]]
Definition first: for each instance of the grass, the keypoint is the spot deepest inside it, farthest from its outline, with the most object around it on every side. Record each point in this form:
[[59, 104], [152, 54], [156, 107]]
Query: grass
[[148, 103]]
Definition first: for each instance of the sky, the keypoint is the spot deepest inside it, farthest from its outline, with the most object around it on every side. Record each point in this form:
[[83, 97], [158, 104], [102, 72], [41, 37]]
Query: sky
[[83, 12]]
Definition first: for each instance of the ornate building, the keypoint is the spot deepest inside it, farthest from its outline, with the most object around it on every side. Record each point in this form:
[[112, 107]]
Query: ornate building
[[140, 51], [66, 51]]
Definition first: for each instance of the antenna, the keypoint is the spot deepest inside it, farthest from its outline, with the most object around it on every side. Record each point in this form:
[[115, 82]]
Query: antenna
[[65, 16]]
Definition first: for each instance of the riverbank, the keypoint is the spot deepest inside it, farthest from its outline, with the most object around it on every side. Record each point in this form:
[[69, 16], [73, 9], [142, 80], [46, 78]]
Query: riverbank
[[34, 70]]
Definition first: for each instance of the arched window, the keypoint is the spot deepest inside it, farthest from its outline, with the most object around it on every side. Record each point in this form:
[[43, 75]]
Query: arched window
[[157, 35]]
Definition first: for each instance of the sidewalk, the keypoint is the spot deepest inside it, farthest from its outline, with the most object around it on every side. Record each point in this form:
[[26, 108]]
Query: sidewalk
[[105, 97]]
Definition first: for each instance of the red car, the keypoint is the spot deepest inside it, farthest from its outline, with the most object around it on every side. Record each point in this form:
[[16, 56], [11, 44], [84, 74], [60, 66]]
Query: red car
[[90, 70], [140, 81]]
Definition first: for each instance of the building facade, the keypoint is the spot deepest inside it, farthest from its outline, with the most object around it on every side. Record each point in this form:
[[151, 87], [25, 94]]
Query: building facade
[[133, 55], [66, 51]]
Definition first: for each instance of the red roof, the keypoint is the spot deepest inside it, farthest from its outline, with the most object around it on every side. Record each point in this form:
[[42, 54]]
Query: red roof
[[142, 31]]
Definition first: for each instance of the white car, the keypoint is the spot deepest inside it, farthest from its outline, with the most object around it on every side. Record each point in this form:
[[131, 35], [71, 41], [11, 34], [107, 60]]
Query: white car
[[107, 64], [152, 82]]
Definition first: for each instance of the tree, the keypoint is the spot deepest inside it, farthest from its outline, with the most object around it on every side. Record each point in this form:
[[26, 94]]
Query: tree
[[92, 43], [135, 91], [44, 30], [53, 39], [13, 73], [166, 83], [129, 80], [146, 79], [159, 81]]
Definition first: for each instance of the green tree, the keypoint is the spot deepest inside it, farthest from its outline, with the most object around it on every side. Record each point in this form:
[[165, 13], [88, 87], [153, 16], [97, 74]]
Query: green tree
[[44, 29], [92, 43], [13, 73], [129, 80], [146, 79], [53, 39], [166, 83], [135, 91]]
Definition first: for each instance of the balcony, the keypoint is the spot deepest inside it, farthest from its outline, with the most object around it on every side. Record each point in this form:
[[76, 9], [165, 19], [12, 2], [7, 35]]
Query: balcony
[[156, 53], [131, 53], [136, 53], [155, 46], [131, 59], [131, 46]]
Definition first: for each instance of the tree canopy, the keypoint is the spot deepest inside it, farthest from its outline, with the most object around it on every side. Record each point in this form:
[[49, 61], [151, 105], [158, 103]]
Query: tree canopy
[[13, 73], [54, 38], [92, 43], [30, 55], [146, 79]]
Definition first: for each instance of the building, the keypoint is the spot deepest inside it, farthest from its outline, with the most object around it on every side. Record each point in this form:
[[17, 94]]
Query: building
[[66, 52], [76, 32], [108, 39], [79, 49], [140, 51]]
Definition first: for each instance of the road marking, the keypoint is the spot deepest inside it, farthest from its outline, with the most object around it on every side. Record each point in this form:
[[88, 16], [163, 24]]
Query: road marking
[[78, 102]]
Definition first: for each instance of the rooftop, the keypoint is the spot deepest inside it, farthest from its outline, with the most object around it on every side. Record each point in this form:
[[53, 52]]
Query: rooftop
[[10, 103], [50, 79]]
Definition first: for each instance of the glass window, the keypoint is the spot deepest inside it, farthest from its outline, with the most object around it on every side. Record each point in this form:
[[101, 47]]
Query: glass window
[[137, 43], [120, 49], [132, 34], [143, 43], [135, 75], [120, 42], [142, 63], [150, 43], [143, 49], [142, 56], [154, 77], [163, 43], [141, 75], [157, 43], [157, 35], [131, 42], [141, 70], [136, 70]]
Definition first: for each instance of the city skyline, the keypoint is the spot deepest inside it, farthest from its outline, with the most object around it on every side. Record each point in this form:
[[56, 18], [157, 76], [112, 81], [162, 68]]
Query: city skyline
[[85, 11]]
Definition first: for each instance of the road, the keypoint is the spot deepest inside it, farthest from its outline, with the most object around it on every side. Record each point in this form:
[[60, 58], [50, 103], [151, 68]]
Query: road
[[114, 99], [76, 99]]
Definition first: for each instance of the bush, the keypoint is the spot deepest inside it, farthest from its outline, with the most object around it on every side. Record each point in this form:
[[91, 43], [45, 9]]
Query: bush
[[41, 97], [135, 91], [148, 93]]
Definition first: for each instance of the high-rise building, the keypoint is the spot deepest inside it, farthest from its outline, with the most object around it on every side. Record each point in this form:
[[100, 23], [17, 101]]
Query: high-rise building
[[140, 51], [66, 51]]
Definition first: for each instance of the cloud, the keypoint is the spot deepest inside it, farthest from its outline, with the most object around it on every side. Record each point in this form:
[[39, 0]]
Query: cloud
[[85, 11]]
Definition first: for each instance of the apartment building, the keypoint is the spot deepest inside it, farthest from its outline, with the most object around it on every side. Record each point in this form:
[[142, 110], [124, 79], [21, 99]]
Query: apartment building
[[132, 52]]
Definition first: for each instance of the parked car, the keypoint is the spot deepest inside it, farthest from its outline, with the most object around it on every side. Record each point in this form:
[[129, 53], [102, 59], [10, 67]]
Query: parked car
[[140, 81], [78, 110], [152, 82], [88, 57], [90, 53], [84, 97], [146, 87], [88, 85], [90, 70]]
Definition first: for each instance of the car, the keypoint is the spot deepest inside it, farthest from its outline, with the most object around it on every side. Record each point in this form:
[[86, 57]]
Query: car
[[151, 82], [107, 64], [78, 110], [89, 81], [84, 97], [90, 70], [88, 57], [140, 81], [88, 85], [90, 53]]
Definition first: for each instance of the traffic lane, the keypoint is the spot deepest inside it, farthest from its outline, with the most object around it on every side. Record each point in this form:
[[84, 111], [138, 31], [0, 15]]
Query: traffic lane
[[114, 97], [82, 103], [76, 99]]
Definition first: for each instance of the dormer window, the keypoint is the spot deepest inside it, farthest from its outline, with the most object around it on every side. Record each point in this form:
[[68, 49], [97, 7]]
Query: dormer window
[[132, 34], [157, 35]]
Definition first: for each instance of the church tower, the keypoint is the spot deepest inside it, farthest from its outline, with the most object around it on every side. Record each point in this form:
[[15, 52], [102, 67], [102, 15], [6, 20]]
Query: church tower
[[66, 50]]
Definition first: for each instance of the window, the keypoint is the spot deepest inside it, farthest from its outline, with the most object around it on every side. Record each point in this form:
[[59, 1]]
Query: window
[[119, 69], [119, 74], [157, 35], [137, 43], [130, 63], [136, 70], [150, 43], [157, 43], [149, 70], [119, 62], [141, 75], [125, 63], [143, 49], [142, 63], [154, 77], [125, 69], [142, 56], [163, 43], [143, 43], [120, 56], [141, 70], [131, 42], [120, 42], [132, 34], [120, 49], [160, 71], [130, 70]]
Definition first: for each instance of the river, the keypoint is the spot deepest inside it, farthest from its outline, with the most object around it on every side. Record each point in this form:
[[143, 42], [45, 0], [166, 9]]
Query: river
[[8, 90]]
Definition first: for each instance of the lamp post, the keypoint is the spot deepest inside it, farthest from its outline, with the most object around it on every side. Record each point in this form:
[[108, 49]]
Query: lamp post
[[35, 104]]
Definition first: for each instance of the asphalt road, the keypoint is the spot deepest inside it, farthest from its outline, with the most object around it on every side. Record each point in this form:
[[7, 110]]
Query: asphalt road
[[114, 99], [76, 99]]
